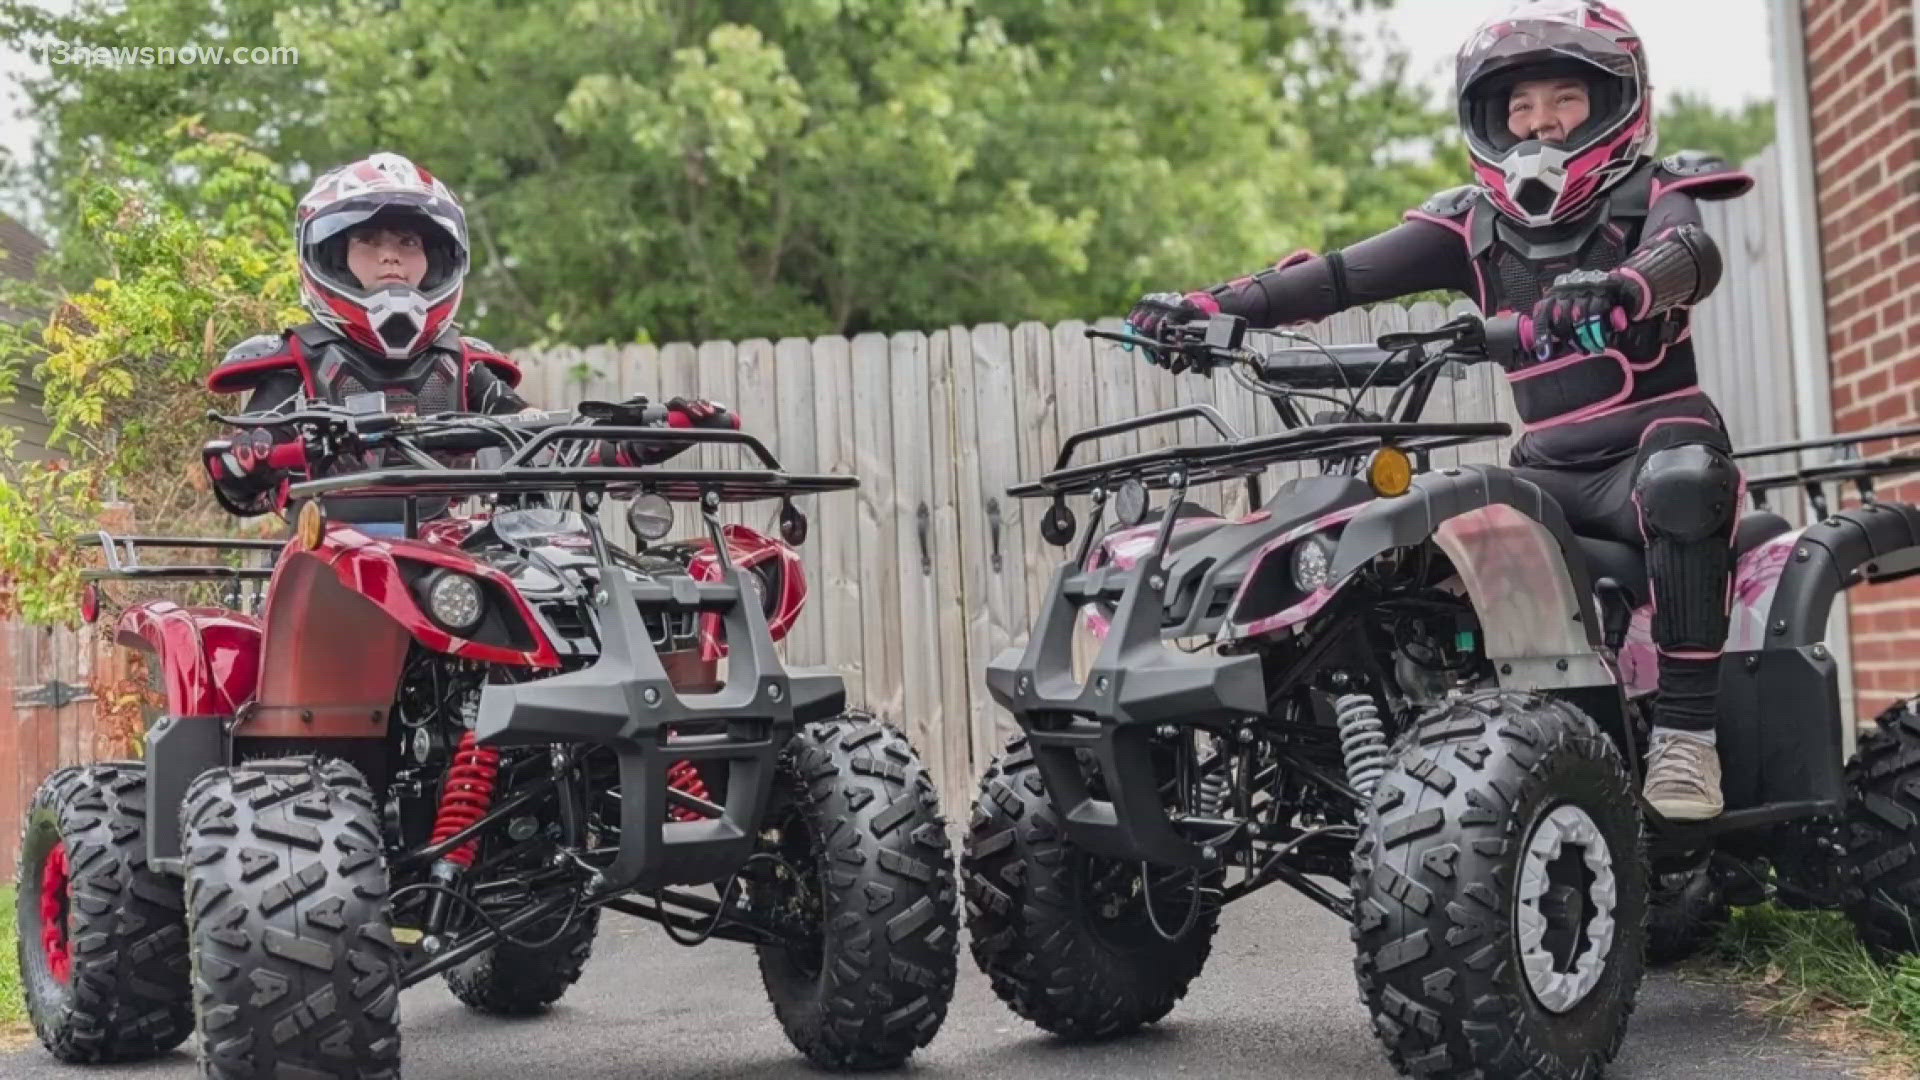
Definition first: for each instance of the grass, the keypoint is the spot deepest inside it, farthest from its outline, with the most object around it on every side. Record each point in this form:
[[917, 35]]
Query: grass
[[13, 1010], [1810, 965]]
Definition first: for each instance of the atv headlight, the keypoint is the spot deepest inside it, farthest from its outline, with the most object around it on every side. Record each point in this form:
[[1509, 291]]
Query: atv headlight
[[453, 599], [649, 516], [1312, 561]]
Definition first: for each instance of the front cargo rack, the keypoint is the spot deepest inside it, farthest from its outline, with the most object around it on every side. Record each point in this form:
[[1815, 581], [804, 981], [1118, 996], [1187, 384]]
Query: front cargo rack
[[1237, 456]]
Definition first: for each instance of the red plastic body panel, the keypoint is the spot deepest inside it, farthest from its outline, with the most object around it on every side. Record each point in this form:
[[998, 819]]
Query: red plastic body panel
[[338, 622], [370, 566], [749, 549], [209, 658]]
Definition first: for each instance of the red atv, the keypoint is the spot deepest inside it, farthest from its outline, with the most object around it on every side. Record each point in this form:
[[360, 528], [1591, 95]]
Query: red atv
[[445, 752]]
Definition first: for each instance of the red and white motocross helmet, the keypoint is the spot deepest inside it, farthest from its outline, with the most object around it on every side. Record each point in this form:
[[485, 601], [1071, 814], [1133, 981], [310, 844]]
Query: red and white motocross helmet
[[393, 320], [1541, 183]]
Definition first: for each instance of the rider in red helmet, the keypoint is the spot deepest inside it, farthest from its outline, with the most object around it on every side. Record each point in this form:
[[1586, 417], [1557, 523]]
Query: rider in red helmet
[[1574, 224], [383, 258]]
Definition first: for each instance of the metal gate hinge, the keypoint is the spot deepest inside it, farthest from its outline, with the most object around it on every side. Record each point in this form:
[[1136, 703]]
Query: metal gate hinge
[[54, 692]]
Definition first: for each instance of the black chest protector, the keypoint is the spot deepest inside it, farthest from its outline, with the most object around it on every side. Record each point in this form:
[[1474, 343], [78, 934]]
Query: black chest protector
[[1516, 265], [430, 383]]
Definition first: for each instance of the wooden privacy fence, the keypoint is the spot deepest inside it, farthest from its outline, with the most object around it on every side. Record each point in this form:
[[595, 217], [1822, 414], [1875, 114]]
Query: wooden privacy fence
[[927, 571]]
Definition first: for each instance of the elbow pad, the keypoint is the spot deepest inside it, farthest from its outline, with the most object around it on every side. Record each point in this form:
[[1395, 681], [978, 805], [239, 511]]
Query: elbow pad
[[1679, 269]]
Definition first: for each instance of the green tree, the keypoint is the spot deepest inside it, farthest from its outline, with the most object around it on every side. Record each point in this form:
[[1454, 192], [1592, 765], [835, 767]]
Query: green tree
[[728, 168], [1691, 122], [194, 255]]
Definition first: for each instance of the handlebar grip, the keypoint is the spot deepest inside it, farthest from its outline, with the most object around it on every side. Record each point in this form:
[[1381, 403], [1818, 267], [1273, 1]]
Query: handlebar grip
[[1510, 339], [287, 455]]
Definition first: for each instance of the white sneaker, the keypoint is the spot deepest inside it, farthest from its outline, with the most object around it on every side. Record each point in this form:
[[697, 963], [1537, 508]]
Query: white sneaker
[[1683, 778]]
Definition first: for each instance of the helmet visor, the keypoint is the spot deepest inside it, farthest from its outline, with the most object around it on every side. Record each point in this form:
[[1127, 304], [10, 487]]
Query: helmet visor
[[1506, 54], [325, 236]]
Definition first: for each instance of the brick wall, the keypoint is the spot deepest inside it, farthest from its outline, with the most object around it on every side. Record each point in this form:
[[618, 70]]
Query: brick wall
[[1866, 133]]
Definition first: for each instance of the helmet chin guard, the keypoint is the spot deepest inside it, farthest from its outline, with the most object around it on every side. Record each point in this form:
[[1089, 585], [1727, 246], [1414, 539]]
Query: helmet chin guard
[[1532, 181]]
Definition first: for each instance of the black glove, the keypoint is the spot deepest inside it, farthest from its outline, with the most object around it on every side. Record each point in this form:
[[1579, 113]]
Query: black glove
[[1157, 313], [681, 413], [700, 413], [1586, 311]]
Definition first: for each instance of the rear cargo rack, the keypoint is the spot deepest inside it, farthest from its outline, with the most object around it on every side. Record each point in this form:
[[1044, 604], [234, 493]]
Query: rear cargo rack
[[123, 558], [1851, 467]]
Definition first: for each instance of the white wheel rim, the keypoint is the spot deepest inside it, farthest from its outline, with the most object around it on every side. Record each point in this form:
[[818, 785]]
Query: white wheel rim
[[1560, 989]]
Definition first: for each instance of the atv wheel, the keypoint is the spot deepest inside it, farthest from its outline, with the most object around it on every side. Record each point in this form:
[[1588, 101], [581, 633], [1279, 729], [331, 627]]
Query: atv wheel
[[294, 965], [102, 938], [514, 980], [1064, 936], [864, 882], [1500, 894], [1882, 833], [1684, 912]]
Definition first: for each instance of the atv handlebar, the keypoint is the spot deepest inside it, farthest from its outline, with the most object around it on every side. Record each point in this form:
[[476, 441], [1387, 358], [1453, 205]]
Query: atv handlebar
[[1219, 342]]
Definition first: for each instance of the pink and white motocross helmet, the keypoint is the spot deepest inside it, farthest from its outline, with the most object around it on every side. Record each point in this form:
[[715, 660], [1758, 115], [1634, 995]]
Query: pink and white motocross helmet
[[384, 189], [1541, 183]]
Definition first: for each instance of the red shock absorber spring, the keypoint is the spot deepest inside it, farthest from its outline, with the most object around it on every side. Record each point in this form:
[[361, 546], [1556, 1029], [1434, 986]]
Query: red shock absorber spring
[[467, 797], [685, 778]]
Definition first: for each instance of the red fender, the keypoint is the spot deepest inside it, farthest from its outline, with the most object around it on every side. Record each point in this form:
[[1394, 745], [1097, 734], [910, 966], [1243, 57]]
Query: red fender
[[749, 549], [338, 621], [209, 658]]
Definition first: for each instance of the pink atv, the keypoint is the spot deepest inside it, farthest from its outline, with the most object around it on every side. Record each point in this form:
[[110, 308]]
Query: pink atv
[[1417, 697], [446, 752]]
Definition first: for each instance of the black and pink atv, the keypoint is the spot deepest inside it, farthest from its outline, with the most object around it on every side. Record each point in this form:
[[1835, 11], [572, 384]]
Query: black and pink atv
[[1417, 697], [447, 751]]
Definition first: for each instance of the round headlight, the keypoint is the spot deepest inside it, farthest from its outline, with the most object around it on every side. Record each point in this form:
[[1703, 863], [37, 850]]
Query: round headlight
[[649, 515], [1312, 561], [454, 601], [1130, 503]]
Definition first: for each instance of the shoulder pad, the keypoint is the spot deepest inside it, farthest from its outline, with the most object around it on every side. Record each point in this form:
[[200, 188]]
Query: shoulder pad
[[1702, 174], [1694, 163], [479, 352], [1452, 202], [246, 363]]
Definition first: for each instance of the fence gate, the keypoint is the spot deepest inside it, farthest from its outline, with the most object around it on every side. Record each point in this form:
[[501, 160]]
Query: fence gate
[[46, 717]]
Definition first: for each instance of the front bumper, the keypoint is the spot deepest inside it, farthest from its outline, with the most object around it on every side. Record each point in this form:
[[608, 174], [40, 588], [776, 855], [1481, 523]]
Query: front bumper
[[1136, 685], [627, 701]]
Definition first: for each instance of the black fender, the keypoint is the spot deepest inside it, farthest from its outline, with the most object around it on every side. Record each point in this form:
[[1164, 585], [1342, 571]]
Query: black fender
[[1779, 714], [1876, 543], [1444, 495]]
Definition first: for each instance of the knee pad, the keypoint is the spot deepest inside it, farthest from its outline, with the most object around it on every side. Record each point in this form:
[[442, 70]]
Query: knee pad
[[1687, 497], [1687, 493]]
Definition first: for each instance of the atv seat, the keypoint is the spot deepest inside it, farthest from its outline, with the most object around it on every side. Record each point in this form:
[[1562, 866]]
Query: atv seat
[[1626, 564]]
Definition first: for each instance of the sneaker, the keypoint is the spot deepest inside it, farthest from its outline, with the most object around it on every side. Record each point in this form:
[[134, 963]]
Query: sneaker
[[1683, 778]]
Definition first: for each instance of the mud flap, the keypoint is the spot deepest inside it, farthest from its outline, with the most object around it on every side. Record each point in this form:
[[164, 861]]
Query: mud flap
[[179, 749], [1778, 738]]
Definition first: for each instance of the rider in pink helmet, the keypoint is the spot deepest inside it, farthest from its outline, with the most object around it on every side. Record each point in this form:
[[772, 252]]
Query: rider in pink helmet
[[1575, 225]]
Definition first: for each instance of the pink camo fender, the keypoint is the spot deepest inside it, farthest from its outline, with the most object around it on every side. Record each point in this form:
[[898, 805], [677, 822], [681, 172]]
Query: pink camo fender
[[1305, 609], [1756, 578], [1125, 547]]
